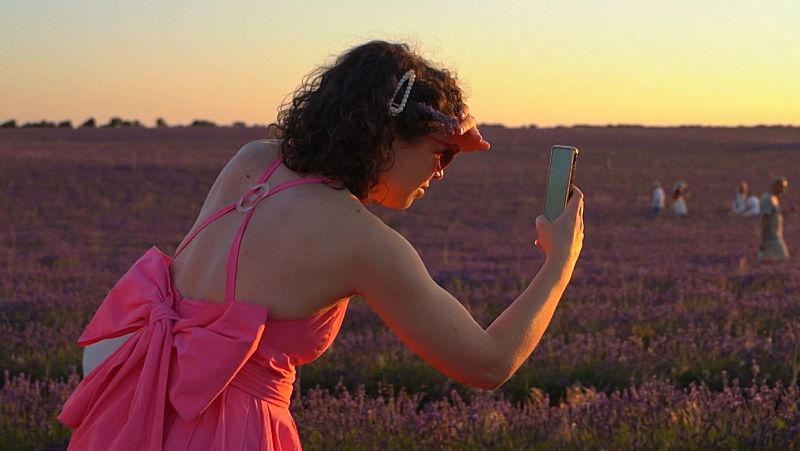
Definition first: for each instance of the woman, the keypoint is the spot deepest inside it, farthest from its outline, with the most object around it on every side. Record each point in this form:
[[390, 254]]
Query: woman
[[679, 199], [211, 338], [739, 206]]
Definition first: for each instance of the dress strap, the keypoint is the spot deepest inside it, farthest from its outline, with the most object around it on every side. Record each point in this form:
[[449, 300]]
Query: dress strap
[[270, 169], [247, 205], [202, 226], [221, 212]]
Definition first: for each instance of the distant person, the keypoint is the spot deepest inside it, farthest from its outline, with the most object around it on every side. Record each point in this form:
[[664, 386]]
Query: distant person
[[740, 204], [753, 206], [772, 245], [659, 197], [679, 199]]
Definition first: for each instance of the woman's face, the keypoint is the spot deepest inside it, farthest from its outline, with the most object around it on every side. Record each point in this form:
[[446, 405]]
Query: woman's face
[[416, 163]]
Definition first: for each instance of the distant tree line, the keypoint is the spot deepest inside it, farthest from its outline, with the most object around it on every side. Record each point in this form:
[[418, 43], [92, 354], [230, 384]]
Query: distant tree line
[[41, 124], [117, 122], [114, 122]]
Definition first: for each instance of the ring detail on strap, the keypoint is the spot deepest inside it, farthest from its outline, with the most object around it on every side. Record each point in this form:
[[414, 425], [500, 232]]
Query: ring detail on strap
[[252, 196]]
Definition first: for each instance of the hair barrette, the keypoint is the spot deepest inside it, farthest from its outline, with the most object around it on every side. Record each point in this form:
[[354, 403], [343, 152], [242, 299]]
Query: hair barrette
[[408, 78]]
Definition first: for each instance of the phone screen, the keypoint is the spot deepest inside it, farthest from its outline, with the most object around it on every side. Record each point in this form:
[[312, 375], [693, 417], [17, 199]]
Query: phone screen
[[559, 180]]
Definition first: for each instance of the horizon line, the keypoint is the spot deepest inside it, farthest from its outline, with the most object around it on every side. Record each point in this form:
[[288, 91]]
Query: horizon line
[[118, 122], [11, 124]]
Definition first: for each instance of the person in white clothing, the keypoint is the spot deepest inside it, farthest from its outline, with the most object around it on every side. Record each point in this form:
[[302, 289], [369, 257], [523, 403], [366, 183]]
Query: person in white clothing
[[658, 198], [679, 199], [753, 206], [740, 204]]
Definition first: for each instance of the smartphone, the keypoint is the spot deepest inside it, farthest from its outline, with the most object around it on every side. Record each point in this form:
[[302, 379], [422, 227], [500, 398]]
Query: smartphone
[[559, 180]]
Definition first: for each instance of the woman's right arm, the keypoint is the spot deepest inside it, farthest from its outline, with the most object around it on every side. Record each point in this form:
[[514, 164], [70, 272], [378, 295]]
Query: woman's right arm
[[394, 282]]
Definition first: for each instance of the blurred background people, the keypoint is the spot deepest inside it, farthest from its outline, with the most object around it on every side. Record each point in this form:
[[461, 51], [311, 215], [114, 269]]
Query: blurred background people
[[772, 245], [753, 205], [659, 197], [740, 204], [679, 198]]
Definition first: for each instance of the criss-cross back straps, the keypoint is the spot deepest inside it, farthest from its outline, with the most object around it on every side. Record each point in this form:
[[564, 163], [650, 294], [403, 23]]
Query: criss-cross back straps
[[233, 256], [246, 204], [221, 212]]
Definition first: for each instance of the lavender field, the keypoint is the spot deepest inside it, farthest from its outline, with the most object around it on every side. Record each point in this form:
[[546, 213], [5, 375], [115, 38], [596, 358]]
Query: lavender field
[[671, 335]]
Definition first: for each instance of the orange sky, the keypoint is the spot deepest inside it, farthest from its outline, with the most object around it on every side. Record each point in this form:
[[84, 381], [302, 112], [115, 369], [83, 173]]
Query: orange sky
[[521, 62]]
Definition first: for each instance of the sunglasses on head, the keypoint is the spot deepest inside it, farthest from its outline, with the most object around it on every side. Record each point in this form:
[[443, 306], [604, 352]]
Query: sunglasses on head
[[445, 156]]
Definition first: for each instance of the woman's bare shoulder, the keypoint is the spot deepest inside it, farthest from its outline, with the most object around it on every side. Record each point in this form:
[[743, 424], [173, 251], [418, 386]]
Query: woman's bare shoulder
[[258, 148], [368, 235], [343, 222], [250, 157]]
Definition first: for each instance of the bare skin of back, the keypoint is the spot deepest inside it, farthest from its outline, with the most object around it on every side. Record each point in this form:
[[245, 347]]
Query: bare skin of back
[[288, 262]]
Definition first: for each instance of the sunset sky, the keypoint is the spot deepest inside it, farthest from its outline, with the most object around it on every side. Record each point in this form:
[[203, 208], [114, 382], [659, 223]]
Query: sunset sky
[[711, 62]]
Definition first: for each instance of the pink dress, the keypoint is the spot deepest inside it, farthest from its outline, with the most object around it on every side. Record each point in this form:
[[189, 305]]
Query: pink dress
[[194, 375]]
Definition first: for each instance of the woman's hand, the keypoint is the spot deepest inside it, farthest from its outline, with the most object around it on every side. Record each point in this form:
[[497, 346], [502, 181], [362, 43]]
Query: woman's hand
[[562, 240], [466, 136]]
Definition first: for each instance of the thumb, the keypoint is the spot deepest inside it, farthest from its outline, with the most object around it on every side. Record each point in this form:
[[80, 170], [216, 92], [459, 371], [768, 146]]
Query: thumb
[[541, 223], [541, 220]]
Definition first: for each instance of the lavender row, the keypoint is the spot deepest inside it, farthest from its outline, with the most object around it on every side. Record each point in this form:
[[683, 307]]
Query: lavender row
[[599, 342], [605, 358], [652, 415]]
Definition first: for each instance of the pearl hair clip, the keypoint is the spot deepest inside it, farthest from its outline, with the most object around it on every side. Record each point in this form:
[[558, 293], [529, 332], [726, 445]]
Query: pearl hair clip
[[407, 79]]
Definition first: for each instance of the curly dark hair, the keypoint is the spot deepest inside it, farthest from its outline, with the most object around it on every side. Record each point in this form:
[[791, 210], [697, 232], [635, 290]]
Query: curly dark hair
[[337, 123]]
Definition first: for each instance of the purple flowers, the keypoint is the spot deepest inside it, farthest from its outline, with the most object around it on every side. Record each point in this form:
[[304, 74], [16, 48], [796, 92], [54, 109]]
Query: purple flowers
[[670, 335]]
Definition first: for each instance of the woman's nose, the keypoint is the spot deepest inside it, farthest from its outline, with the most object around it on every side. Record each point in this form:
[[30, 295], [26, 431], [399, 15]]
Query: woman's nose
[[438, 174]]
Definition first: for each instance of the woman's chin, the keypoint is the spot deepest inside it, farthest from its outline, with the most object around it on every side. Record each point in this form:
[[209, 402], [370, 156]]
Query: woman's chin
[[398, 205], [403, 203], [418, 194]]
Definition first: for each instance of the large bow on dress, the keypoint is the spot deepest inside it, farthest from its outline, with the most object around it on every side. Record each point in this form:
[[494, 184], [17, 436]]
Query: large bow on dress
[[168, 361]]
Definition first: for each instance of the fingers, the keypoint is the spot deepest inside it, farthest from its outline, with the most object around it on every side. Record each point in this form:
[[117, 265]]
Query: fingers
[[466, 125], [577, 193], [540, 223], [575, 203], [563, 238], [580, 200], [468, 137]]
